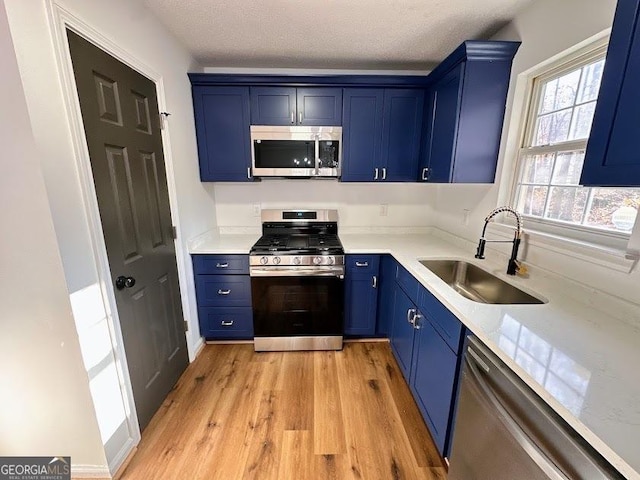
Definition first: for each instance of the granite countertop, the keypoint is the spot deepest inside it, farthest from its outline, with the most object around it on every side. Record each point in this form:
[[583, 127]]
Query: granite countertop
[[580, 360]]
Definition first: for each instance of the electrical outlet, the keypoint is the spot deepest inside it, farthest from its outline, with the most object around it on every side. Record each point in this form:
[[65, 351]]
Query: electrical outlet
[[384, 209], [256, 209]]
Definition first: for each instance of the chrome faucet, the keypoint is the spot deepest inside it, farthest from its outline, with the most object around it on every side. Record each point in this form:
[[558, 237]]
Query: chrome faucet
[[513, 265]]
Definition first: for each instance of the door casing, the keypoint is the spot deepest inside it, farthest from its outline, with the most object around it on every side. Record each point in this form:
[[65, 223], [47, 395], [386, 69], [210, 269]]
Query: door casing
[[60, 20]]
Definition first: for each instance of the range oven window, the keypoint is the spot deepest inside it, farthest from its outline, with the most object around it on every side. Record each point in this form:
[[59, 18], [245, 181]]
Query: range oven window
[[297, 306], [284, 153]]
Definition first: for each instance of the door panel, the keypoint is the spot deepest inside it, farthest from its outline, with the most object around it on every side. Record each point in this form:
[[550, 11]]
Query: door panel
[[319, 106], [121, 120], [402, 332], [273, 106]]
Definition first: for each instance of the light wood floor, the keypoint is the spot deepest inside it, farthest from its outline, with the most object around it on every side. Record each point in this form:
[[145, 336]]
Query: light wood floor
[[237, 414]]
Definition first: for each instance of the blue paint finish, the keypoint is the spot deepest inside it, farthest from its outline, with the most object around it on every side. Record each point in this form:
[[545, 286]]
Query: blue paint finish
[[273, 106], [226, 323], [386, 295], [465, 113], [222, 130], [361, 295], [319, 106], [433, 377], [402, 132], [612, 157], [409, 284], [211, 290], [221, 264], [379, 81], [402, 332], [362, 133], [445, 322]]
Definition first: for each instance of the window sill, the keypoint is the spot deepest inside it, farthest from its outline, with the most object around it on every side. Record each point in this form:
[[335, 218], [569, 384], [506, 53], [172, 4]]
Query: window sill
[[608, 257]]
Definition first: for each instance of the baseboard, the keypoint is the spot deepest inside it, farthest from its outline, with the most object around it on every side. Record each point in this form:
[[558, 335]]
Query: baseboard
[[227, 342], [79, 472]]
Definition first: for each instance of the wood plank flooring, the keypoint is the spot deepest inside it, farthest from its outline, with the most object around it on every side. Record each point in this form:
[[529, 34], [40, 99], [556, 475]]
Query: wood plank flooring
[[237, 414]]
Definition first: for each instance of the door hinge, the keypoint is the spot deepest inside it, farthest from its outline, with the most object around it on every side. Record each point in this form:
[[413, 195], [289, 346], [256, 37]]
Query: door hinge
[[186, 326], [163, 116], [174, 232]]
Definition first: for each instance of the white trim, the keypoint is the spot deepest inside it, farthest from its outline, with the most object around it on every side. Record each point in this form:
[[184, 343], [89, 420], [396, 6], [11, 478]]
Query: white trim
[[60, 19], [90, 471]]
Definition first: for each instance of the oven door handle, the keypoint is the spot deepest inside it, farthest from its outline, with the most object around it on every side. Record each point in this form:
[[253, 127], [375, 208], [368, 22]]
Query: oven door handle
[[297, 272]]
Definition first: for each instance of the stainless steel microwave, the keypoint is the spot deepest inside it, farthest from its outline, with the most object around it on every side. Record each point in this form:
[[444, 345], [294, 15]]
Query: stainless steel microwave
[[296, 151]]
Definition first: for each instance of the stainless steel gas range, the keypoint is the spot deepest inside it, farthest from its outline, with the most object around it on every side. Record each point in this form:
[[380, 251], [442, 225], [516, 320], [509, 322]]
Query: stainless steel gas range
[[297, 281]]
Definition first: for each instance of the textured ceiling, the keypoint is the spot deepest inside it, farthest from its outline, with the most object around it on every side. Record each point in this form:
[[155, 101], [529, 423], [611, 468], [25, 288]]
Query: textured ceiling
[[340, 34]]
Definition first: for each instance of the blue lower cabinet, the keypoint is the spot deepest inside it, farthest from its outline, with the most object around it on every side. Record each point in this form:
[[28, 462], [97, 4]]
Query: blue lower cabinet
[[226, 323], [386, 295], [402, 332], [361, 295], [434, 374], [223, 290]]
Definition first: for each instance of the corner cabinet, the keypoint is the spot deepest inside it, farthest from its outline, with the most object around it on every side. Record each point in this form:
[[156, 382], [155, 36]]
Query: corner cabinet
[[314, 106], [382, 129], [465, 113], [612, 157], [361, 295], [222, 130]]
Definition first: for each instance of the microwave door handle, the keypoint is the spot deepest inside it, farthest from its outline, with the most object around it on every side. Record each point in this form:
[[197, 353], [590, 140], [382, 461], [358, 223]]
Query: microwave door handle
[[316, 170]]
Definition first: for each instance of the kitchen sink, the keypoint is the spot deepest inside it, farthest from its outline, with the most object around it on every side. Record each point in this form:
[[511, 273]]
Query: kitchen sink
[[476, 284]]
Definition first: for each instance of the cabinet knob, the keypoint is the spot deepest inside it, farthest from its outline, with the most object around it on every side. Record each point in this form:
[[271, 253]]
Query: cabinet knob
[[374, 282], [425, 174], [416, 321], [293, 117], [384, 173], [375, 175]]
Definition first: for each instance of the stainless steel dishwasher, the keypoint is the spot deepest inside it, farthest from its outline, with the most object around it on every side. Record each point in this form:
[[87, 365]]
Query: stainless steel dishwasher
[[505, 431]]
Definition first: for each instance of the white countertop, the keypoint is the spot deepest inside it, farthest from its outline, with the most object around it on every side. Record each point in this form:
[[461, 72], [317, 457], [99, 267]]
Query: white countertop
[[581, 361]]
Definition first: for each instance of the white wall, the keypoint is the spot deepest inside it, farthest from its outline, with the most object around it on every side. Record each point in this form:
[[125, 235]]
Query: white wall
[[546, 28], [359, 205], [45, 406]]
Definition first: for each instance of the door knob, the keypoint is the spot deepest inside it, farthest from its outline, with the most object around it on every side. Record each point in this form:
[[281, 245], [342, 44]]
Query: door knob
[[125, 282]]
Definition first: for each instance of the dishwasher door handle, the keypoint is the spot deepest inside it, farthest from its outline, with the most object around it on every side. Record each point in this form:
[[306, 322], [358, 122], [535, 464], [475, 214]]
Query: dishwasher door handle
[[516, 432]]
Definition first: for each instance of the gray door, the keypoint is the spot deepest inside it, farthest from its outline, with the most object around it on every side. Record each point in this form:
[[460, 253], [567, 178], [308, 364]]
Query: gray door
[[120, 115]]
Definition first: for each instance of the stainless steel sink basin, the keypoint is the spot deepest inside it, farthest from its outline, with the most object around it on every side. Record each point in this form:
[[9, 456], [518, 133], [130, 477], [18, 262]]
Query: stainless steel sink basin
[[477, 284]]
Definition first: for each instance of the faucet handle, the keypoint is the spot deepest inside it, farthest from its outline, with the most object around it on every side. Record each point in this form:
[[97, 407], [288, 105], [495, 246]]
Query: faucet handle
[[480, 250]]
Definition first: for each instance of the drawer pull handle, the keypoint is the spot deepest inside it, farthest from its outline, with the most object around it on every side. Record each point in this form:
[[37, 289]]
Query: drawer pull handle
[[374, 283], [224, 292], [222, 265], [362, 264], [226, 323]]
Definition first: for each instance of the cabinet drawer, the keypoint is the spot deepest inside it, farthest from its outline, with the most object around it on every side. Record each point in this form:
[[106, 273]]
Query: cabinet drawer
[[217, 322], [409, 284], [363, 264], [223, 290], [443, 321], [220, 264]]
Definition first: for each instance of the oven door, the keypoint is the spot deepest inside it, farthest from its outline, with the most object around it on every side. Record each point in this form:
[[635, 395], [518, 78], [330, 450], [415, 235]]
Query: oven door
[[297, 311]]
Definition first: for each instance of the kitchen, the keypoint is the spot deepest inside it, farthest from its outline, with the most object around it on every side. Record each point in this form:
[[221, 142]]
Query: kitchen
[[410, 208]]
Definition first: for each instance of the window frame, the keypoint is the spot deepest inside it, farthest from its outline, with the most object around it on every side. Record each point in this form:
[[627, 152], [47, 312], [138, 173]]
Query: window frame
[[536, 79]]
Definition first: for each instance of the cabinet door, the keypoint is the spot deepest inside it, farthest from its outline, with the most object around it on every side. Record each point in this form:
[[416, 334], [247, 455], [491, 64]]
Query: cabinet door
[[273, 106], [362, 133], [319, 106], [432, 380], [612, 157], [361, 299], [441, 138], [386, 294], [222, 130], [402, 132], [402, 331]]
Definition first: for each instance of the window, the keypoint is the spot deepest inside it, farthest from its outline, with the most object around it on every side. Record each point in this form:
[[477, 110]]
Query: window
[[561, 108]]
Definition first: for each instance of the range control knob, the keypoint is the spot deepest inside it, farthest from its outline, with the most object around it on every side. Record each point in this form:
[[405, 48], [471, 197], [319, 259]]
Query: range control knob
[[317, 260], [276, 260], [264, 260], [331, 260], [297, 260]]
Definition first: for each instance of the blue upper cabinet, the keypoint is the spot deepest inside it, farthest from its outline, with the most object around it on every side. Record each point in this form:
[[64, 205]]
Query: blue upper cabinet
[[381, 133], [362, 133], [222, 129], [273, 106], [319, 106], [612, 157], [314, 106], [465, 113]]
